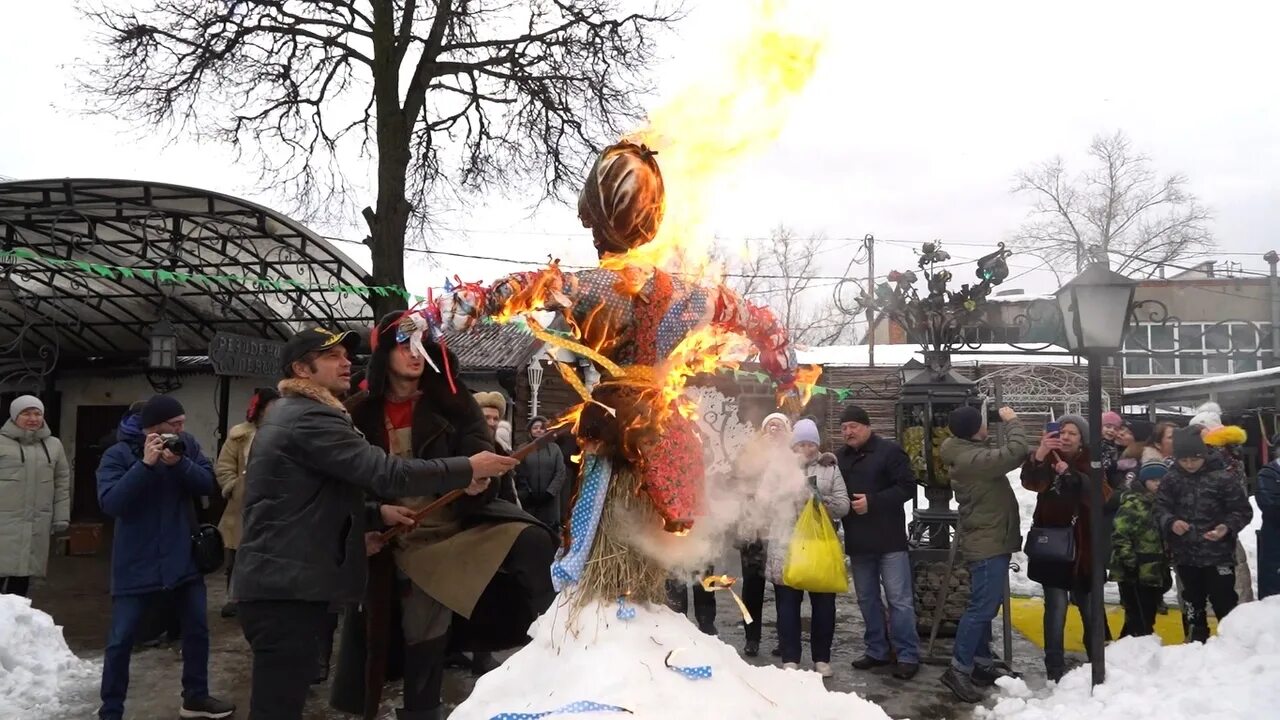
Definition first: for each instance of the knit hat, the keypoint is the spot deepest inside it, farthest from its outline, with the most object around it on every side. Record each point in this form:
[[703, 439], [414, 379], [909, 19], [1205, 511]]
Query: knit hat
[[1188, 444], [805, 431], [1112, 417], [1152, 471], [853, 413], [1141, 430], [1081, 424], [160, 408], [786, 423], [1208, 416], [965, 422], [24, 402]]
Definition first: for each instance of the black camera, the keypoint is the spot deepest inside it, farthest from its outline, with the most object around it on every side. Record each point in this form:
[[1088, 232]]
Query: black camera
[[174, 443]]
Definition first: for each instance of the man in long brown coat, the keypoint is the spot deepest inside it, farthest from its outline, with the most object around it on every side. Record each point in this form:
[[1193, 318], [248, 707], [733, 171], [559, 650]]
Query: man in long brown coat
[[472, 576]]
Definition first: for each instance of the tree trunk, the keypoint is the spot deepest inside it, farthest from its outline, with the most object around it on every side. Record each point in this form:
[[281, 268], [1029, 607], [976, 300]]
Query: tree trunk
[[391, 217]]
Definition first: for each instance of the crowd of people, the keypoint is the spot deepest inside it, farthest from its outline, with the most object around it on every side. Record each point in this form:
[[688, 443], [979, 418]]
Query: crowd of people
[[320, 469]]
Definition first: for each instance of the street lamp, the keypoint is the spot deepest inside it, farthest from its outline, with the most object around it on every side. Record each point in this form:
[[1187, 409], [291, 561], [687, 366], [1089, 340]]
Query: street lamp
[[1096, 306], [535, 382], [164, 347]]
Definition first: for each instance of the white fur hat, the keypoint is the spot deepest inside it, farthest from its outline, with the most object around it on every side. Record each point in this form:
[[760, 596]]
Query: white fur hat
[[786, 423], [1208, 416]]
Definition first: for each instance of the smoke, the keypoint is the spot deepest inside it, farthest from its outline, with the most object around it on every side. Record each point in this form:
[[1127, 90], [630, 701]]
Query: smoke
[[757, 499]]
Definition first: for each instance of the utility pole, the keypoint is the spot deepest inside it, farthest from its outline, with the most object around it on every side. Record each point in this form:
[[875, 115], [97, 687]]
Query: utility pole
[[869, 242], [1273, 289]]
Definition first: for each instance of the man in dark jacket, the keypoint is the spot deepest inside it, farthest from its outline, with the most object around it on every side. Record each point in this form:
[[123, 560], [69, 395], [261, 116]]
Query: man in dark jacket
[[475, 574], [878, 476], [1268, 499], [989, 534], [1201, 508], [302, 553], [148, 482]]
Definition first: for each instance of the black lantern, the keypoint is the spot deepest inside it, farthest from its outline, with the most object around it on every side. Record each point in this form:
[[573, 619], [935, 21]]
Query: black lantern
[[164, 347]]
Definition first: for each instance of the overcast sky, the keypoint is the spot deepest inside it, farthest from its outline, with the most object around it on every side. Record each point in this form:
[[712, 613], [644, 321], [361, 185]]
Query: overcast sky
[[912, 127]]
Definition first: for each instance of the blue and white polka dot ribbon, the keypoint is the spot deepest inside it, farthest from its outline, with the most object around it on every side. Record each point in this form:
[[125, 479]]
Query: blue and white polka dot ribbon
[[691, 672], [625, 611], [584, 521], [582, 706]]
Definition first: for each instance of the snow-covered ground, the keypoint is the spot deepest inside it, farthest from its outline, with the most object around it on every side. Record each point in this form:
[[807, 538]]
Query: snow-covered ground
[[36, 666], [1019, 584], [623, 663], [1235, 675]]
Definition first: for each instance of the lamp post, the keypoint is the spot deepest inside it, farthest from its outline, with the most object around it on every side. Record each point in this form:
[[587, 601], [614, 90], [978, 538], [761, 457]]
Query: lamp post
[[163, 353], [535, 382], [1096, 306]]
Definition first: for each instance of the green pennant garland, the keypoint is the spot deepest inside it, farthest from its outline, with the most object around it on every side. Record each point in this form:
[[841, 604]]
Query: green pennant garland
[[230, 282]]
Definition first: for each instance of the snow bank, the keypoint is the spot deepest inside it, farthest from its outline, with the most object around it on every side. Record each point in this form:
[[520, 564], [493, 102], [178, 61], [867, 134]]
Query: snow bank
[[36, 665], [621, 663], [1235, 675]]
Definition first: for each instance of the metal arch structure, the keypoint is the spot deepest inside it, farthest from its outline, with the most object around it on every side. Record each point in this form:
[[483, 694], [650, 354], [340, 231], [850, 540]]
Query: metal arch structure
[[1050, 389], [62, 315]]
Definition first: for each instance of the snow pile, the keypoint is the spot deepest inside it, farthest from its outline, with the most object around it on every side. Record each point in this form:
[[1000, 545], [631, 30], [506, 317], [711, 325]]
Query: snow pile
[[622, 663], [1234, 675], [36, 666]]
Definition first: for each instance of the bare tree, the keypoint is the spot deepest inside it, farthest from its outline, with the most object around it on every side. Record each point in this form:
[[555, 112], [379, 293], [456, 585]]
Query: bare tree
[[786, 273], [447, 97], [1120, 211]]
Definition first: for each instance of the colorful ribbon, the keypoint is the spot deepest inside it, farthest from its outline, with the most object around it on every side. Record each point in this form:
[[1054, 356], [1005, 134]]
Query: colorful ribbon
[[582, 706], [691, 672], [625, 611], [584, 521], [711, 583]]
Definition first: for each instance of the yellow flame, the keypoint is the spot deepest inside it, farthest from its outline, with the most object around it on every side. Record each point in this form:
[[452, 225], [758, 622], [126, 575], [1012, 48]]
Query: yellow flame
[[732, 111]]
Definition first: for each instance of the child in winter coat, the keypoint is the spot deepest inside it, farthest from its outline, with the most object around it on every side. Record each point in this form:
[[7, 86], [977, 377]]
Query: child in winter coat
[[1201, 508], [1138, 560], [827, 484]]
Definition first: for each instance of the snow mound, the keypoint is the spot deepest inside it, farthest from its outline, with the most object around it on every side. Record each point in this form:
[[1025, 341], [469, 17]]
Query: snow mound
[[1234, 675], [622, 663], [36, 665]]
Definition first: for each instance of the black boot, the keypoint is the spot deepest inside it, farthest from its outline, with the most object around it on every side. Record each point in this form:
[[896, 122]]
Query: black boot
[[704, 610], [678, 597], [424, 678], [961, 686]]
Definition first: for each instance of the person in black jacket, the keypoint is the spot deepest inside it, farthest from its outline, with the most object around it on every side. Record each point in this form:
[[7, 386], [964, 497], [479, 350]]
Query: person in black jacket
[[302, 554], [878, 476]]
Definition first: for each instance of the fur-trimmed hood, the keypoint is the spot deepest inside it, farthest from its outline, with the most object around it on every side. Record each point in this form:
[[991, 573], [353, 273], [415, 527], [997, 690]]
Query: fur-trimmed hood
[[303, 388]]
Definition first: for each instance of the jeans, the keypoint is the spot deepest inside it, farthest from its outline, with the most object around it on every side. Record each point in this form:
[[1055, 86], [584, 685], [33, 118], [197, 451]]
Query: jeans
[[1055, 623], [986, 593], [285, 636], [15, 586], [1269, 558], [127, 612], [893, 572], [753, 561], [1203, 585], [822, 629]]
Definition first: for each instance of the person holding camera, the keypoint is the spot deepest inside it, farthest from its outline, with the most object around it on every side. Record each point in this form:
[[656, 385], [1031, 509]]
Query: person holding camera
[[148, 482], [989, 533], [303, 544]]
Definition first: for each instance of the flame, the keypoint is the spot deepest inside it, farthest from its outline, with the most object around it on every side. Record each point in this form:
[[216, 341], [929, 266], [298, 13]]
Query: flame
[[806, 377], [711, 126]]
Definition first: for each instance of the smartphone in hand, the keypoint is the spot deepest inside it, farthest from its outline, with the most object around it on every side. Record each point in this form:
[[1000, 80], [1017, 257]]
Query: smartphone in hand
[[1052, 428]]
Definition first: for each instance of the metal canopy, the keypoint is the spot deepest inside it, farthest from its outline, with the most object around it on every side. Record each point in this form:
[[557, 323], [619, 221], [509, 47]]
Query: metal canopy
[[51, 314]]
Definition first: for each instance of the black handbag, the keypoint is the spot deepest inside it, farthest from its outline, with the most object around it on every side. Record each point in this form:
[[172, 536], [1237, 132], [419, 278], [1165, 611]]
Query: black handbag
[[207, 548], [1054, 544]]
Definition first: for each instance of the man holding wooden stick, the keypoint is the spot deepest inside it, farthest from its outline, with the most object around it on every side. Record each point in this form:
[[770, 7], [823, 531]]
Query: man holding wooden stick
[[302, 555], [470, 575]]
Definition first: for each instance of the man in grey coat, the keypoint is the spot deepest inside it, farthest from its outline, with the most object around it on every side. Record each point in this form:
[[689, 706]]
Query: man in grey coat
[[989, 533]]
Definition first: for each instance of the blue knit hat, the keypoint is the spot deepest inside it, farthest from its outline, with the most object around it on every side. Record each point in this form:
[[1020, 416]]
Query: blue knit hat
[[1152, 471]]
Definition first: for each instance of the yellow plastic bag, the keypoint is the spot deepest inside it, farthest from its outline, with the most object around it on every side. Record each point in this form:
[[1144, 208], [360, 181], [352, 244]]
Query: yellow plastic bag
[[815, 560]]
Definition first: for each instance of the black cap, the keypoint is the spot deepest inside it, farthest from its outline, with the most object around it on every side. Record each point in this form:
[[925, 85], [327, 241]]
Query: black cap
[[853, 413], [315, 339], [1141, 429], [1188, 444], [965, 422]]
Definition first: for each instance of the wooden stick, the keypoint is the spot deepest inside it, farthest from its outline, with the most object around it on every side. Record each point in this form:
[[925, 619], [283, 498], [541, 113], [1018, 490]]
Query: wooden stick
[[519, 453]]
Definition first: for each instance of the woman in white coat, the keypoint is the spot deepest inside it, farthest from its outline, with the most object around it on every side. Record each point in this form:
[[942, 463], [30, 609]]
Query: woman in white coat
[[827, 484], [35, 494]]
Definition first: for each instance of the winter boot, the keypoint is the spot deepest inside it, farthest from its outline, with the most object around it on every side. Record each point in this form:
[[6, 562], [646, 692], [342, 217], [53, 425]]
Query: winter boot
[[424, 679], [961, 686], [704, 610], [678, 597]]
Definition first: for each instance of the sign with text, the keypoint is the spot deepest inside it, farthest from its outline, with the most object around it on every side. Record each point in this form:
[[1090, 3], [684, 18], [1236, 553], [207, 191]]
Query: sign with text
[[243, 356]]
